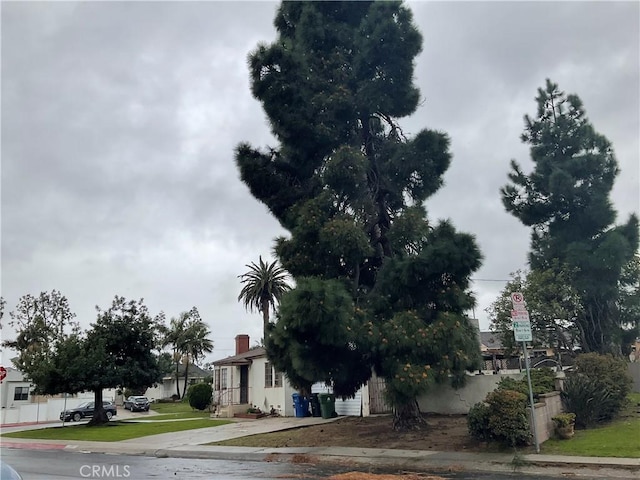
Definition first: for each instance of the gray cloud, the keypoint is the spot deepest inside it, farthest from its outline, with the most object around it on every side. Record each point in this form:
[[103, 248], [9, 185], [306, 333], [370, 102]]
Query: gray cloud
[[120, 120]]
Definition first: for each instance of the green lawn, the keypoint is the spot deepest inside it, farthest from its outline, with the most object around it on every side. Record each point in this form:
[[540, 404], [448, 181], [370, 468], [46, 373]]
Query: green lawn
[[617, 439], [170, 416], [114, 431], [174, 407]]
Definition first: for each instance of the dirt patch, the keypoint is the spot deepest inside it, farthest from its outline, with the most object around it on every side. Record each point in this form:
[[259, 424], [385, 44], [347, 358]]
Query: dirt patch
[[444, 433]]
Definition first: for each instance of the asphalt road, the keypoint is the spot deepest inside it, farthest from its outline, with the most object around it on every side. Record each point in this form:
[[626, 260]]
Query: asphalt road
[[60, 465]]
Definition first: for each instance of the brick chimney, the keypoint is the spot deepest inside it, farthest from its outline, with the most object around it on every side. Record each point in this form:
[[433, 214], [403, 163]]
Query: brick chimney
[[242, 344]]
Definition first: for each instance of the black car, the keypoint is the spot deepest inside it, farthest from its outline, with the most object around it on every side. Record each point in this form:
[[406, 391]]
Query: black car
[[137, 404], [85, 410]]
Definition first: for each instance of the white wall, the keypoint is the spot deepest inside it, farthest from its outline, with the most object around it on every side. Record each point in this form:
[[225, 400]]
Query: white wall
[[41, 412], [350, 406], [279, 398], [447, 400]]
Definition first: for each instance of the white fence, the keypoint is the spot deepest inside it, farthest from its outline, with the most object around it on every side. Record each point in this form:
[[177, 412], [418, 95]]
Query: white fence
[[41, 412]]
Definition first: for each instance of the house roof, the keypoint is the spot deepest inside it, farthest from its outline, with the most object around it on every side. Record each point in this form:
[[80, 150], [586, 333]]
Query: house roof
[[194, 371], [242, 359], [490, 341]]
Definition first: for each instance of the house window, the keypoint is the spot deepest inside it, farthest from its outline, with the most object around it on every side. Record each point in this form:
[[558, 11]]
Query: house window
[[216, 379], [21, 393], [223, 379], [277, 379], [268, 375]]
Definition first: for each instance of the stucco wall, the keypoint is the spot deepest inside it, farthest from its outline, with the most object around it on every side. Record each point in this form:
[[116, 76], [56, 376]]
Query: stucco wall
[[448, 401], [266, 398], [549, 405]]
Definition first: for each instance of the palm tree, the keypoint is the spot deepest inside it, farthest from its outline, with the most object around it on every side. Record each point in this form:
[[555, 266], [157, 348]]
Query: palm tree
[[264, 285], [174, 335], [196, 343]]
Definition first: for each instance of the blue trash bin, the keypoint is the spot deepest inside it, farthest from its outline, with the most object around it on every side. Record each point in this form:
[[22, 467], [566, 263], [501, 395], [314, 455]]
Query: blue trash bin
[[300, 405]]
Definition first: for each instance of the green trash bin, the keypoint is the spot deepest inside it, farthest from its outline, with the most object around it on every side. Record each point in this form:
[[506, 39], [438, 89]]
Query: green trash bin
[[327, 405]]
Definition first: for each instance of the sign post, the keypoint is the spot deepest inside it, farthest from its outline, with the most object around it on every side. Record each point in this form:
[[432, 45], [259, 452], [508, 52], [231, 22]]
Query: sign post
[[522, 332]]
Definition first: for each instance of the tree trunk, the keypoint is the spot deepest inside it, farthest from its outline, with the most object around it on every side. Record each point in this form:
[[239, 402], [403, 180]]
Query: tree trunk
[[408, 417], [99, 415], [186, 375], [265, 319], [177, 360]]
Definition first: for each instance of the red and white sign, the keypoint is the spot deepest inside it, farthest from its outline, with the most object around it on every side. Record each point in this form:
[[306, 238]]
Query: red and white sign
[[517, 300], [521, 315], [3, 373]]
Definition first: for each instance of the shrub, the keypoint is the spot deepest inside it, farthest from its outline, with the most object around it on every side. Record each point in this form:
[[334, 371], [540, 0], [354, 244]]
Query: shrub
[[508, 421], [597, 391], [564, 419], [588, 398], [543, 380], [502, 417], [133, 392], [478, 422], [199, 395]]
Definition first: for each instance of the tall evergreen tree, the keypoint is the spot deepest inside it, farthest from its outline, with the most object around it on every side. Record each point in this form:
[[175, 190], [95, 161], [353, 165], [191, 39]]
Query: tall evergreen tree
[[377, 286], [566, 202]]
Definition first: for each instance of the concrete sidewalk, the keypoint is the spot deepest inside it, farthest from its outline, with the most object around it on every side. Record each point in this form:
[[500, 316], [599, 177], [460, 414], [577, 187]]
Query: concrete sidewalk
[[191, 444]]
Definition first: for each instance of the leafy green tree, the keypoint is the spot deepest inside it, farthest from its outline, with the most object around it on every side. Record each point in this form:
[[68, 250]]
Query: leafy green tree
[[377, 286], [565, 199], [42, 323], [118, 351], [263, 287], [553, 306]]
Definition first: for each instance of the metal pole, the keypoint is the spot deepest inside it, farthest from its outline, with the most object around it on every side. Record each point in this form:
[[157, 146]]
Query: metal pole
[[64, 409], [533, 408]]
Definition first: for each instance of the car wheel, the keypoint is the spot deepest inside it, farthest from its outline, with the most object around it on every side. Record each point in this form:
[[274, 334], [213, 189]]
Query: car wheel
[[109, 415], [77, 417]]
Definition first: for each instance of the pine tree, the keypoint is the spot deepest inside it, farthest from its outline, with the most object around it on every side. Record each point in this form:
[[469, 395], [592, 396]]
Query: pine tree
[[377, 286], [566, 202]]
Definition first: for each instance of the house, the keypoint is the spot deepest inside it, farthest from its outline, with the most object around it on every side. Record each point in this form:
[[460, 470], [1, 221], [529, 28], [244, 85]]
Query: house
[[168, 386], [247, 379], [14, 389]]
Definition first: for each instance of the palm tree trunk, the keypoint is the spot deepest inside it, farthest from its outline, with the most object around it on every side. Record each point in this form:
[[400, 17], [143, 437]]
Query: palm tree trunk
[[186, 374], [265, 319], [177, 360]]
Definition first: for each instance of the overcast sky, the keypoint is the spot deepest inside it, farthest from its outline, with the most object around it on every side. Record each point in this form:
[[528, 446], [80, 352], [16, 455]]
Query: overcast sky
[[119, 121]]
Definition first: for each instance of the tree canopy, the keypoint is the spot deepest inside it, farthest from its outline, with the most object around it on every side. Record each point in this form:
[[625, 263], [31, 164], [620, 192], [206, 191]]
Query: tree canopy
[[377, 285], [565, 199], [116, 351]]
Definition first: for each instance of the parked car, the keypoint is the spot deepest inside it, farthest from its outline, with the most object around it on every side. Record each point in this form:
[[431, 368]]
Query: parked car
[[7, 472], [137, 404], [86, 409]]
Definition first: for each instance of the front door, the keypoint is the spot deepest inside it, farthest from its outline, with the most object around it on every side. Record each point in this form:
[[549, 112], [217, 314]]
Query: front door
[[244, 384]]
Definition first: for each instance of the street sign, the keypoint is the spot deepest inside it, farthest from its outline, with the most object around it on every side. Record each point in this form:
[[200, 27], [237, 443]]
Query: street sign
[[522, 330], [517, 300], [3, 373], [522, 315]]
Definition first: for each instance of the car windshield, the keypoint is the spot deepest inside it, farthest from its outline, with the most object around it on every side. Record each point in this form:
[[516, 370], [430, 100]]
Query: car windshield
[[85, 405], [140, 399]]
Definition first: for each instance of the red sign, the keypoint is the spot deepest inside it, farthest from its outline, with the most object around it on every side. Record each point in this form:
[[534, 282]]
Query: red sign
[[3, 373]]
